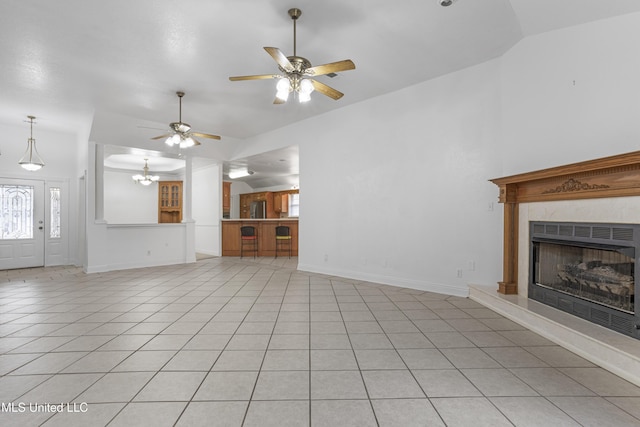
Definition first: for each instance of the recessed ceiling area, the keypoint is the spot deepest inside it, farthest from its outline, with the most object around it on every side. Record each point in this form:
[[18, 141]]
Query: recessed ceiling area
[[132, 159], [270, 169]]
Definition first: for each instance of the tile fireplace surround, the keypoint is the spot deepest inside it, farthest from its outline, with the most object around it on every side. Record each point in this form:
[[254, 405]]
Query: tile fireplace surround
[[604, 190]]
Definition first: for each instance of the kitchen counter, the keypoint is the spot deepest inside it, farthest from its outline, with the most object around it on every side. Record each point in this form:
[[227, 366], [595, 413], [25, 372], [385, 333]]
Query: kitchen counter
[[261, 219], [266, 229]]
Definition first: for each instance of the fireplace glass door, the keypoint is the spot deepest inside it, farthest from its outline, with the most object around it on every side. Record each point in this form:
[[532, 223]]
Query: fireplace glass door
[[602, 275]]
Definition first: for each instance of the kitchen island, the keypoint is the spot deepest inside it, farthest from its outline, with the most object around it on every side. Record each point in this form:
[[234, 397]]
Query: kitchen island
[[266, 229]]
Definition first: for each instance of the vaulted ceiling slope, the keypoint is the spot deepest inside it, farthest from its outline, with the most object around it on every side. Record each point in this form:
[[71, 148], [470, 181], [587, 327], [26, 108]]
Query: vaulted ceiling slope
[[64, 60]]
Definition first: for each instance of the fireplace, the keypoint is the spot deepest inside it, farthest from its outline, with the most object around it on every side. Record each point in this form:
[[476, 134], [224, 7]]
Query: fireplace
[[587, 270]]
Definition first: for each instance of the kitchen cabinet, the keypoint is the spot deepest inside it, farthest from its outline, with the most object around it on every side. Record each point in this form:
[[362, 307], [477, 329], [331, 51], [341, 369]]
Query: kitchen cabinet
[[226, 199], [245, 205], [169, 201], [281, 202]]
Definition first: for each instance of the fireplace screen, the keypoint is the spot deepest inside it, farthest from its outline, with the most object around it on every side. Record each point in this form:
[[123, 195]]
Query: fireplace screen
[[601, 275]]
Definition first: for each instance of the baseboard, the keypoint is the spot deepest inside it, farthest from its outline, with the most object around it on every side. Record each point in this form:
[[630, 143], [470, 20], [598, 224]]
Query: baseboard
[[389, 280]]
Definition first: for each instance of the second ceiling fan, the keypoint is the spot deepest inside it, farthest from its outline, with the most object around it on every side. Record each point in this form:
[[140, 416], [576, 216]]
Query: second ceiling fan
[[180, 133], [298, 72]]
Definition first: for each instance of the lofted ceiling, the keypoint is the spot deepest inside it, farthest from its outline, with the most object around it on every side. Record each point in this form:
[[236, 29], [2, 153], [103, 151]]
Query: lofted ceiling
[[64, 61]]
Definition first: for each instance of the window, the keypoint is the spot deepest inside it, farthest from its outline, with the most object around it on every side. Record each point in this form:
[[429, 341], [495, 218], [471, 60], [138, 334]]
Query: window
[[294, 205], [54, 229], [16, 206]]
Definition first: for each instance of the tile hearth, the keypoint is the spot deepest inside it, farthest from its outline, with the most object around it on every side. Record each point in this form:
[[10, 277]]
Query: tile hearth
[[225, 341]]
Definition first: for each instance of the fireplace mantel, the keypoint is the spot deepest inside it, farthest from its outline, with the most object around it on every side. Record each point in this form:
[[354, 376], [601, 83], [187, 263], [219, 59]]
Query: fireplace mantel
[[615, 176]]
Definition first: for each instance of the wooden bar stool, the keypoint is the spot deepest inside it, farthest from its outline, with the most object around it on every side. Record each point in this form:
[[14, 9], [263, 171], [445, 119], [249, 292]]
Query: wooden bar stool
[[283, 236], [248, 237]]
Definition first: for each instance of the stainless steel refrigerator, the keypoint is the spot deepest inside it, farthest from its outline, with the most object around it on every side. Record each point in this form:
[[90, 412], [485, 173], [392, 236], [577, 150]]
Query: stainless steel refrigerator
[[258, 209]]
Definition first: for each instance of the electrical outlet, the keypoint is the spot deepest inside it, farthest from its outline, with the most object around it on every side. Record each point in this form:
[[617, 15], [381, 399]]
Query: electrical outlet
[[471, 266], [326, 258], [459, 273]]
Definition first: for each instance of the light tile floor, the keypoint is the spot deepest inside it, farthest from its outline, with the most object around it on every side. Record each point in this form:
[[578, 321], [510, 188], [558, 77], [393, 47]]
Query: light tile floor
[[256, 343]]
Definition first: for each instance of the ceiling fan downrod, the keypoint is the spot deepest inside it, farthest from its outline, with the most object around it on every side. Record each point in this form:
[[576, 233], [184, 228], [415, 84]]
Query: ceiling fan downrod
[[180, 95], [294, 14]]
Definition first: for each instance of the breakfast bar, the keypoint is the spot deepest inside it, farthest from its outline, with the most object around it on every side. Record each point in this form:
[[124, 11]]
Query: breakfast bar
[[266, 231]]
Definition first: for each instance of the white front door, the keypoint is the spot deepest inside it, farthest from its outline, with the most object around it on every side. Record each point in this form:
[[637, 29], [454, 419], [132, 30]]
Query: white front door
[[22, 226]]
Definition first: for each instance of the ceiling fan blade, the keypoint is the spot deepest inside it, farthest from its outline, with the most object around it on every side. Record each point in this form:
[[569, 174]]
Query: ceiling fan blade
[[256, 77], [280, 58], [334, 67], [279, 101], [326, 90], [167, 135], [204, 135], [195, 142]]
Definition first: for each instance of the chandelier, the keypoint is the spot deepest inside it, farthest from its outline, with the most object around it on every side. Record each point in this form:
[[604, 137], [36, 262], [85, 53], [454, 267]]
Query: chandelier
[[31, 160], [145, 179]]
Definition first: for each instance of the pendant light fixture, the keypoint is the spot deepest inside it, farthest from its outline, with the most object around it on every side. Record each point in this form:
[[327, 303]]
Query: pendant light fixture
[[31, 160], [145, 179]]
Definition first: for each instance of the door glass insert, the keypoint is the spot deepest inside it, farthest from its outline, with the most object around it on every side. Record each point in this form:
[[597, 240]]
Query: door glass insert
[[16, 204], [54, 230]]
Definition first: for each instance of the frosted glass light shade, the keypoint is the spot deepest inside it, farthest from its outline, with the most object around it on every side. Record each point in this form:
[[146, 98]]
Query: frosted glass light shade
[[31, 160]]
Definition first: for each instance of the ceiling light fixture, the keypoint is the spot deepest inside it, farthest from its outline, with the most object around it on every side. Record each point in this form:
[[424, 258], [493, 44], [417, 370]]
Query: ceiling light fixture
[[31, 160], [145, 179], [297, 72], [240, 173], [180, 133]]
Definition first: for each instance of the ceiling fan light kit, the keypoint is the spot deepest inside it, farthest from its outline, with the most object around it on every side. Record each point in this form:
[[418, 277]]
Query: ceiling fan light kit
[[31, 160], [180, 133], [297, 72]]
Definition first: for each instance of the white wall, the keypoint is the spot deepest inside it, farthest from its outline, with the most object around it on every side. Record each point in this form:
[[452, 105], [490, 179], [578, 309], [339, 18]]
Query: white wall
[[126, 202], [207, 209], [395, 188], [572, 95], [133, 246]]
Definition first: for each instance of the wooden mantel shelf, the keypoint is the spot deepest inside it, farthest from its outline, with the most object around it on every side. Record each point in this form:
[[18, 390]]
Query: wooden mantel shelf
[[615, 176]]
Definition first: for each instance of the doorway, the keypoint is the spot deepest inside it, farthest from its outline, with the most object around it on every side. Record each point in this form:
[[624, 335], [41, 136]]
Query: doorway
[[22, 223]]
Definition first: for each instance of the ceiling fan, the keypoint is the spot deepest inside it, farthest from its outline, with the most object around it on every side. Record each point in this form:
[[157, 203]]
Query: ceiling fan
[[298, 72], [180, 133]]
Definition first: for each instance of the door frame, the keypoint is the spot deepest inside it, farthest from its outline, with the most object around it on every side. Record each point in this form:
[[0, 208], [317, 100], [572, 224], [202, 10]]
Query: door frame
[[56, 251]]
